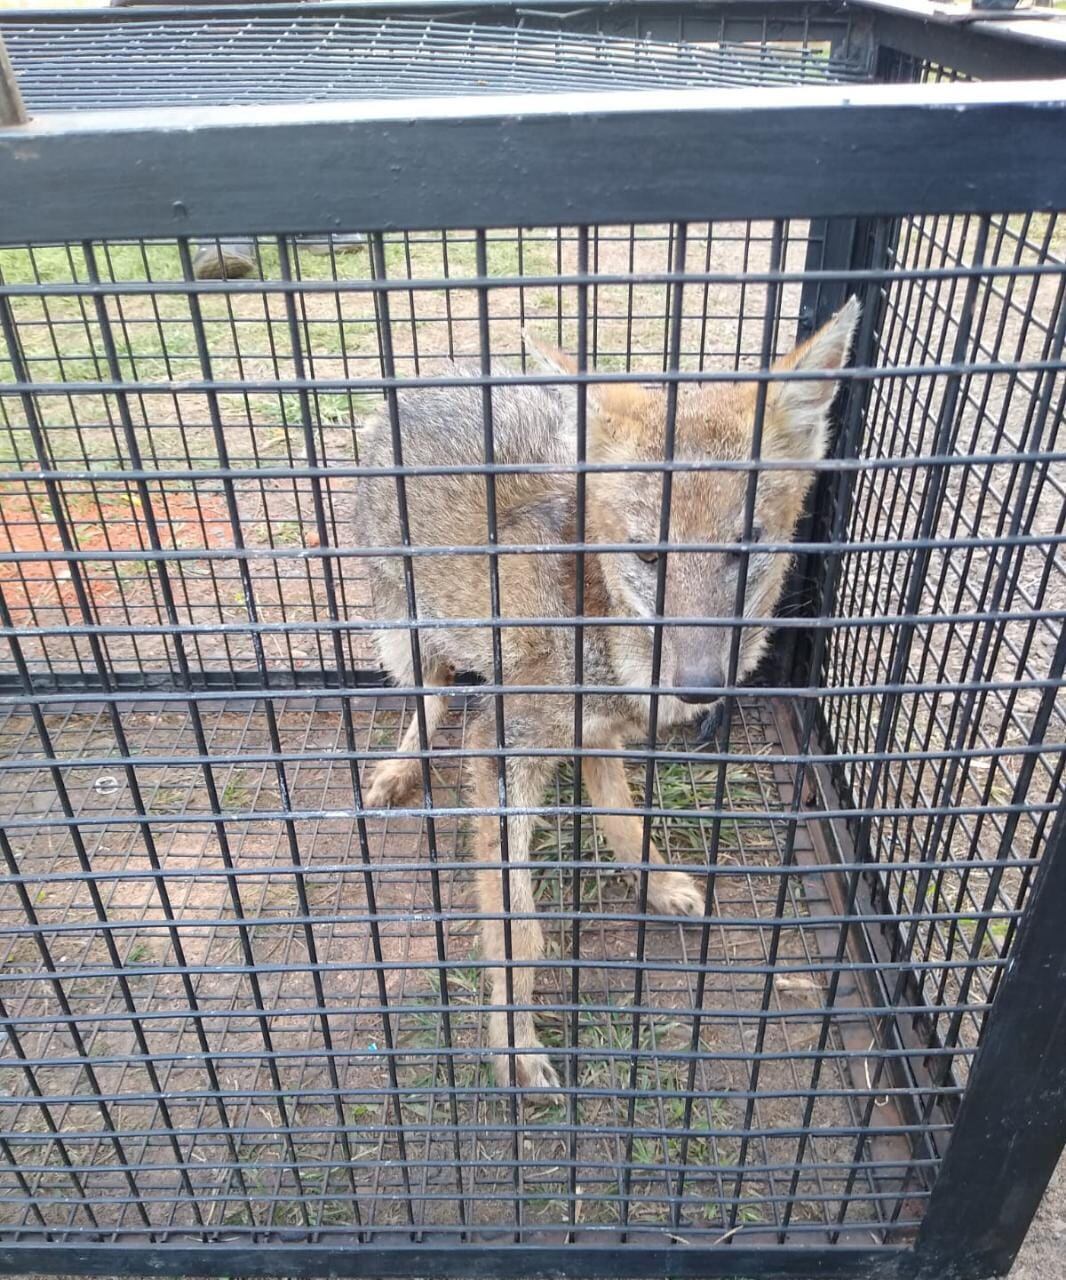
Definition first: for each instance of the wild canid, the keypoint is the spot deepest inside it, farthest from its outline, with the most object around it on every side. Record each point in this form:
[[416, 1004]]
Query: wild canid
[[537, 424]]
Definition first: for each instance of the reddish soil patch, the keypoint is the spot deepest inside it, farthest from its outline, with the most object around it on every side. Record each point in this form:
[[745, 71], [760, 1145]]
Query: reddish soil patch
[[97, 521]]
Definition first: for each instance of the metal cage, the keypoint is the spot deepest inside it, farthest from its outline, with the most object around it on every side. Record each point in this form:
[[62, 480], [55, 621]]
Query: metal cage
[[243, 1011]]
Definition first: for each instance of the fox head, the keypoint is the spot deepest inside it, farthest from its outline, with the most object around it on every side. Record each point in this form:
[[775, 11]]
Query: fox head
[[713, 424]]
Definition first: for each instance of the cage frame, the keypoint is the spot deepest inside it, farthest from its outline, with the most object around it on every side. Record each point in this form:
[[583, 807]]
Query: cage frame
[[208, 183]]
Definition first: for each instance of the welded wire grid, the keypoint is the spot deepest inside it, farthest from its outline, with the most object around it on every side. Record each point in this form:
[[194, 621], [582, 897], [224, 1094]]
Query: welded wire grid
[[233, 60], [977, 766], [981, 590], [233, 1005]]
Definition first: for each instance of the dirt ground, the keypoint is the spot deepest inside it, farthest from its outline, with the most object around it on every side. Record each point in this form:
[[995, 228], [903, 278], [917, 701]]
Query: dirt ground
[[1043, 1256]]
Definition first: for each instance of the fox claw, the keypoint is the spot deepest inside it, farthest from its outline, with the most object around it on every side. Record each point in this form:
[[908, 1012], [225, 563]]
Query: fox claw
[[531, 1071], [675, 894]]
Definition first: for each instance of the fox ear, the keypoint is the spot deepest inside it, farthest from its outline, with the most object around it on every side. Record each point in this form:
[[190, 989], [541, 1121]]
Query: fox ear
[[797, 412], [617, 412], [547, 359]]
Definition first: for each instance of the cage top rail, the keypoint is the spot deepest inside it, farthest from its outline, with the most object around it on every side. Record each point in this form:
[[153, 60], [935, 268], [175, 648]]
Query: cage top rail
[[307, 57], [824, 150]]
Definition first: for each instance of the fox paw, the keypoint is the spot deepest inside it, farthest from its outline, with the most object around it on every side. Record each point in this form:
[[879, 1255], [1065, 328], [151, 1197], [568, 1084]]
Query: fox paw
[[531, 1071], [673, 893], [392, 784]]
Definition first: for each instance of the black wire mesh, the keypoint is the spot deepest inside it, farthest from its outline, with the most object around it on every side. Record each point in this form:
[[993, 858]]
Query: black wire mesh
[[997, 557], [81, 65], [238, 1004], [235, 1004]]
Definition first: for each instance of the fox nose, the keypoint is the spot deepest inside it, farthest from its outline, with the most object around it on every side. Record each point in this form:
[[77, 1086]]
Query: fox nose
[[704, 681]]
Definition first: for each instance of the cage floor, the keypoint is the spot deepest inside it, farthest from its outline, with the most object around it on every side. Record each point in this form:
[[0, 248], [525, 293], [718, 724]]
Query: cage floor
[[85, 65], [270, 1105]]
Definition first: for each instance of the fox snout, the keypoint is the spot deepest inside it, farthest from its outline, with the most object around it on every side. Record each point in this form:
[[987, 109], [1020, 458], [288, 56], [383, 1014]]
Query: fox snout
[[697, 659], [697, 656], [701, 677]]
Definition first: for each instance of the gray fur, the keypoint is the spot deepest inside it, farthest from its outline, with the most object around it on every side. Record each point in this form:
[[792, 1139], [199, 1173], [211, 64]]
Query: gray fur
[[445, 427]]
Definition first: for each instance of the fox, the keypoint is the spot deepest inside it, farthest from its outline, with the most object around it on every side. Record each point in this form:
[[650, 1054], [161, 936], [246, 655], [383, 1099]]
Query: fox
[[537, 423]]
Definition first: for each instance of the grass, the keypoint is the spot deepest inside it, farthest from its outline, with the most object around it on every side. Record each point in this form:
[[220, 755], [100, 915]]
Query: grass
[[139, 954], [168, 800], [282, 533], [249, 336], [1040, 222], [236, 794]]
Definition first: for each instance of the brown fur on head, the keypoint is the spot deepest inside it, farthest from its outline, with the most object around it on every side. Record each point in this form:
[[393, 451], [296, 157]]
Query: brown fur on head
[[626, 423]]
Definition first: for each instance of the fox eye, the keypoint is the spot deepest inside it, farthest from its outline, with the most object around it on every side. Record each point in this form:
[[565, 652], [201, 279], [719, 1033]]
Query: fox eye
[[648, 557]]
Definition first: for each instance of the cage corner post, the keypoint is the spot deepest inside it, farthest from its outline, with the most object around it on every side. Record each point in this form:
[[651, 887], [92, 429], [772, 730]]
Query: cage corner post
[[836, 248], [844, 245], [12, 108], [1011, 1128]]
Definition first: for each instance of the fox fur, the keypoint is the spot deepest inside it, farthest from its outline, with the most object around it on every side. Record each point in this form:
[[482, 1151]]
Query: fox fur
[[537, 424]]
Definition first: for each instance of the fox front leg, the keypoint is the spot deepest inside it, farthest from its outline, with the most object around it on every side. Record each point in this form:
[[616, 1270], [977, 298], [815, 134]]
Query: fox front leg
[[672, 893], [526, 780]]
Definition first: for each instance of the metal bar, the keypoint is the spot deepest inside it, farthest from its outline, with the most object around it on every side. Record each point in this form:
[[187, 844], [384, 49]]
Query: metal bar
[[982, 49], [635, 1262], [669, 445], [581, 441], [770, 311], [197, 171], [868, 244], [980, 1208], [499, 710]]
